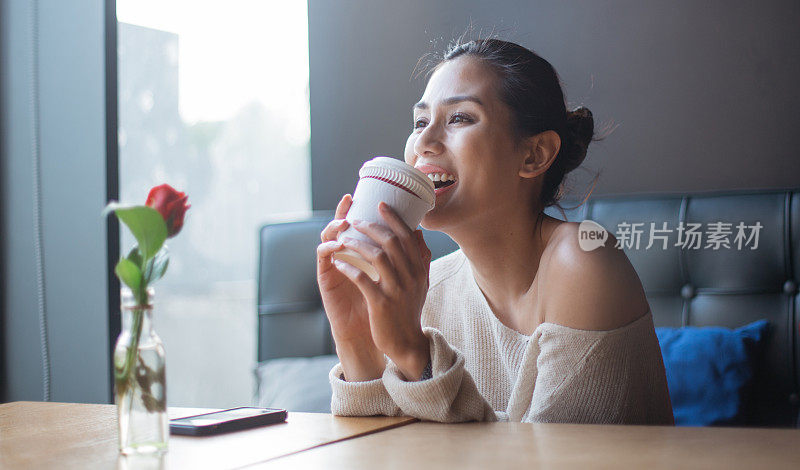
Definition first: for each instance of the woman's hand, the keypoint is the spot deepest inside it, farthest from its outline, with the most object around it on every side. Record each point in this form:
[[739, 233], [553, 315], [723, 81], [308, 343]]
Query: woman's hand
[[394, 302], [345, 306]]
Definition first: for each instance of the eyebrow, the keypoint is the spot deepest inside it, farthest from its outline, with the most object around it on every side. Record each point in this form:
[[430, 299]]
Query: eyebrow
[[451, 100]]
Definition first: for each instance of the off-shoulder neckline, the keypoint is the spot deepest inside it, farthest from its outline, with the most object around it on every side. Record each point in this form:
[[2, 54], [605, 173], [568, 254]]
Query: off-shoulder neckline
[[544, 325], [620, 329]]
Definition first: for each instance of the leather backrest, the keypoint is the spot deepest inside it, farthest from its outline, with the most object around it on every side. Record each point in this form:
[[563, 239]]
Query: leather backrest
[[728, 287]]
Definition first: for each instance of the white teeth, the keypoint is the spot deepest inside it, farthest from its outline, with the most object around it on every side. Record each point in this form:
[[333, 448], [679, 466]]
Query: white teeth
[[441, 177]]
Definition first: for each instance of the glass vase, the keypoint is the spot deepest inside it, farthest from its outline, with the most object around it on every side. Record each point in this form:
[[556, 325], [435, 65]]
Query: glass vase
[[140, 380]]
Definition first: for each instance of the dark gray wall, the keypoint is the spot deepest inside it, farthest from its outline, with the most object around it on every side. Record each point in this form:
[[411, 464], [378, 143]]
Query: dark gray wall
[[705, 93], [71, 98]]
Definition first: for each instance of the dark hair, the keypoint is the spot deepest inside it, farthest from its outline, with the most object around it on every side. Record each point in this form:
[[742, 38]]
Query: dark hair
[[531, 88]]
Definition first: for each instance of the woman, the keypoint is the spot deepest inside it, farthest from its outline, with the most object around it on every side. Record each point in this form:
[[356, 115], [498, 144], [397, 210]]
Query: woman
[[520, 323]]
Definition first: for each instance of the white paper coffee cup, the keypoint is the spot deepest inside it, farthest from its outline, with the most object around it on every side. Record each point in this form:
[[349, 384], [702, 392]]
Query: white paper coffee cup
[[404, 188]]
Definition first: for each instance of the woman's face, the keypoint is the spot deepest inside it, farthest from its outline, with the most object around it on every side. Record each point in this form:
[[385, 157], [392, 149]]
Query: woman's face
[[462, 128]]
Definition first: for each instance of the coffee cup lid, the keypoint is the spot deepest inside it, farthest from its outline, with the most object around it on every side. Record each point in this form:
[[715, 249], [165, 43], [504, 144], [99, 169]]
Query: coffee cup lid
[[401, 173]]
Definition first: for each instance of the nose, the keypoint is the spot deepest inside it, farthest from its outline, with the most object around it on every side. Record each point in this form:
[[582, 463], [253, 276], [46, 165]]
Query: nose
[[429, 142]]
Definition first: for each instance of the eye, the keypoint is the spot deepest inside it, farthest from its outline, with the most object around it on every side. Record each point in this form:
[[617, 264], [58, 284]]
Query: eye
[[420, 123], [459, 118]]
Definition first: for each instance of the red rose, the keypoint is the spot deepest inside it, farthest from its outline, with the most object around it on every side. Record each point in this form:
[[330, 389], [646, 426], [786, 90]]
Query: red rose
[[171, 204]]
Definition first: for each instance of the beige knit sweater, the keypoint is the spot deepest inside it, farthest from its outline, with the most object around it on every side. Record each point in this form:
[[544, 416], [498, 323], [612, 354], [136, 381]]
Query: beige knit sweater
[[485, 371]]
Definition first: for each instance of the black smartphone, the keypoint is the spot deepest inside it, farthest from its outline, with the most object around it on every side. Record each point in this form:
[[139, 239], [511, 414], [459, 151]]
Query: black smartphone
[[218, 422]]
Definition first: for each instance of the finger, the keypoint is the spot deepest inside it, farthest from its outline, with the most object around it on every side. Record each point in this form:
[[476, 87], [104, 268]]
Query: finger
[[324, 253], [368, 289], [333, 229], [327, 249], [390, 243], [344, 206], [403, 232], [377, 258]]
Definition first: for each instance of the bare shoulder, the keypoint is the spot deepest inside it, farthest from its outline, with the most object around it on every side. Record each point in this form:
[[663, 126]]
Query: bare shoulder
[[588, 290]]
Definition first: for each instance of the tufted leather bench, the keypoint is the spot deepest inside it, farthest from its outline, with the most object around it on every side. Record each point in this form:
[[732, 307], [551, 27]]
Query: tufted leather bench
[[727, 287]]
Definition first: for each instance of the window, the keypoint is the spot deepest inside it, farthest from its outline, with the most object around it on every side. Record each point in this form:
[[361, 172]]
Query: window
[[213, 100]]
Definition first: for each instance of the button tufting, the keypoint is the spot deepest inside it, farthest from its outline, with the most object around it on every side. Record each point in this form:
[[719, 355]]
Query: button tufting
[[687, 291], [790, 287]]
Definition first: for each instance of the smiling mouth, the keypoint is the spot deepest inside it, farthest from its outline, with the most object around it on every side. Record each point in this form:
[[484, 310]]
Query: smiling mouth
[[441, 180], [442, 184]]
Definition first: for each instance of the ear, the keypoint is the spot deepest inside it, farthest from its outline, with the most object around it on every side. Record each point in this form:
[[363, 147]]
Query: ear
[[541, 151]]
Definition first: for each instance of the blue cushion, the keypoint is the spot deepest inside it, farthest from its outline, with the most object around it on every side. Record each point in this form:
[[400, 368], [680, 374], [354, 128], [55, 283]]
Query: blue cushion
[[709, 370]]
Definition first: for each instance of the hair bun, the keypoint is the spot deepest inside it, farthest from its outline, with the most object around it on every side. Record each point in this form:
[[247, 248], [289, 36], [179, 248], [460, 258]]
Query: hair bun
[[579, 133]]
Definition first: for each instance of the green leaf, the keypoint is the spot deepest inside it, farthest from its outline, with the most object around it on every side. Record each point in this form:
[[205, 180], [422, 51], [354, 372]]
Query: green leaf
[[129, 273], [135, 257], [157, 266], [146, 224]]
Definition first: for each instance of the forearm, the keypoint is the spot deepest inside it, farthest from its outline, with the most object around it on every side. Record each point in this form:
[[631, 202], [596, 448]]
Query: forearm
[[361, 360], [413, 359], [356, 382]]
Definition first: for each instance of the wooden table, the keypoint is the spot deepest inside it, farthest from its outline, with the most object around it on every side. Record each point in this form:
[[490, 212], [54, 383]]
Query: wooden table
[[60, 435], [495, 446], [66, 435]]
